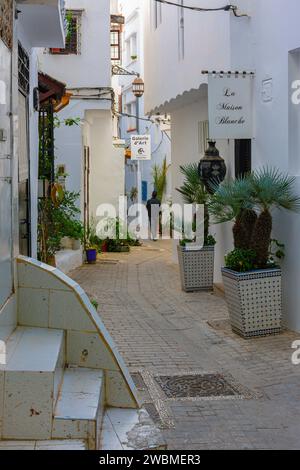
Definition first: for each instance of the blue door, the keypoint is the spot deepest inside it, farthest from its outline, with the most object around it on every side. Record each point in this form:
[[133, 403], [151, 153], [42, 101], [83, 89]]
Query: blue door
[[144, 190]]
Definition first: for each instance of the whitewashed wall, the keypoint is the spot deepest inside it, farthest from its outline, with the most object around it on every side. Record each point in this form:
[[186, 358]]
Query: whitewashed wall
[[107, 163], [268, 42], [160, 141], [187, 147], [206, 46], [274, 55], [91, 68], [9, 210]]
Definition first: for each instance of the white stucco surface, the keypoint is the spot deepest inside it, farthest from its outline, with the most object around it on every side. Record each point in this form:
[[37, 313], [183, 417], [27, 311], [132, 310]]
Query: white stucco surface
[[266, 42]]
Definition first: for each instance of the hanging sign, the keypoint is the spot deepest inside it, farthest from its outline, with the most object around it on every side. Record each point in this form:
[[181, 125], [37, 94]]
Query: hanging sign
[[230, 106], [141, 147]]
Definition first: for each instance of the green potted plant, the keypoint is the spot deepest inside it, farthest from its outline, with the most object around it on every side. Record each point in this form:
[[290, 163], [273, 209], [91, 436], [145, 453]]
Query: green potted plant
[[91, 243], [91, 254], [49, 236], [196, 266], [118, 244], [67, 222], [251, 276]]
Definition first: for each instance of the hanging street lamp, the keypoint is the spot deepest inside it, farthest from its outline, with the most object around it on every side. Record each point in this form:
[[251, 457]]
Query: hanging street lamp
[[138, 87], [212, 168]]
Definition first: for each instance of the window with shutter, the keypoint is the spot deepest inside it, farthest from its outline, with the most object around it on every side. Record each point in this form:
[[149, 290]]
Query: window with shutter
[[115, 44], [116, 29]]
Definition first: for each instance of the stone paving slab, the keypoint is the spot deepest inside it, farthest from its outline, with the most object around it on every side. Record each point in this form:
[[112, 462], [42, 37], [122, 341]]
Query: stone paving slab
[[159, 329]]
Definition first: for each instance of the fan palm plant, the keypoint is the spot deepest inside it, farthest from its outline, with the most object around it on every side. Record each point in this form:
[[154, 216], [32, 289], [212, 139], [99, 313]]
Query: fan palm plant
[[233, 200], [270, 189], [249, 201], [193, 191], [159, 174]]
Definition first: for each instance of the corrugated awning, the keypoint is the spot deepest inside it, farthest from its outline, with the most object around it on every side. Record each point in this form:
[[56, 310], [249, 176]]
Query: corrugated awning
[[50, 88]]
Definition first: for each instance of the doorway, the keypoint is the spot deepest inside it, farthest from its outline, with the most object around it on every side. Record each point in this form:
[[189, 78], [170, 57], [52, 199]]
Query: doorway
[[243, 151], [24, 172], [6, 153], [86, 185]]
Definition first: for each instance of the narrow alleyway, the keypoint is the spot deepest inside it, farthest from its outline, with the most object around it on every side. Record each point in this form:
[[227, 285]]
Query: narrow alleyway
[[162, 331]]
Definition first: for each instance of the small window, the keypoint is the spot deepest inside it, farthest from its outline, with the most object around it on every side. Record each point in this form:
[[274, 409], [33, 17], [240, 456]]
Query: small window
[[115, 45], [130, 109], [203, 136], [116, 30], [131, 48], [23, 70], [73, 19]]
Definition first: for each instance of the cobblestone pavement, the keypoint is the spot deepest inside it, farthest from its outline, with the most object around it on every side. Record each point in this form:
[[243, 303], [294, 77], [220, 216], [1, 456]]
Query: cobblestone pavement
[[161, 330]]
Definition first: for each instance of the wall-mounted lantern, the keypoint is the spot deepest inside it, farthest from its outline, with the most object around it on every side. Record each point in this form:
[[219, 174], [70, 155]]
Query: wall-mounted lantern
[[212, 168]]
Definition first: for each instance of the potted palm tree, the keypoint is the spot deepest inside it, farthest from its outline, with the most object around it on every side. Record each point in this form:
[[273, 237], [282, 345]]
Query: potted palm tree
[[252, 276], [196, 266], [159, 174]]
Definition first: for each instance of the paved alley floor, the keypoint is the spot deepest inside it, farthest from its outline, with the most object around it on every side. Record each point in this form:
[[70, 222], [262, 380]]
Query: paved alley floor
[[162, 331]]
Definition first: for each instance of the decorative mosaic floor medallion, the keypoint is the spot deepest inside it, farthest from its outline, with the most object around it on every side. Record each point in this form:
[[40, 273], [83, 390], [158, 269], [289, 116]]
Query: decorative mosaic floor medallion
[[163, 390], [193, 386]]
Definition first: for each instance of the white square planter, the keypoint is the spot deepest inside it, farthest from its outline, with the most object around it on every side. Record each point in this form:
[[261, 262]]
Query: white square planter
[[196, 268], [254, 301]]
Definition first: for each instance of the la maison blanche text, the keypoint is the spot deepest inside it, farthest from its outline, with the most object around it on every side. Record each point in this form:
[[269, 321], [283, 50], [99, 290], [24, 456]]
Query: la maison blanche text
[[227, 119]]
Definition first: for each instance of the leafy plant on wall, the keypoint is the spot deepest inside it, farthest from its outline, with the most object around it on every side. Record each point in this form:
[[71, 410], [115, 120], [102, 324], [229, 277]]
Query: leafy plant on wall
[[57, 209], [57, 219]]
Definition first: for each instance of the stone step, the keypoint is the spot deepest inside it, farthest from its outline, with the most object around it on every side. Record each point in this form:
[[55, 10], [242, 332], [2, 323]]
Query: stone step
[[30, 375], [32, 350], [79, 408], [130, 430], [57, 444]]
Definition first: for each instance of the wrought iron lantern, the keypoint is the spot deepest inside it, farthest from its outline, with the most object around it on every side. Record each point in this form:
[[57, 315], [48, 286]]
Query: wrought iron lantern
[[212, 168], [138, 87]]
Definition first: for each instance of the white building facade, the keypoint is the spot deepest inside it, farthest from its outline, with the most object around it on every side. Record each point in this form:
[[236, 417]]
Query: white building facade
[[45, 403], [85, 150], [265, 42], [158, 127], [19, 127]]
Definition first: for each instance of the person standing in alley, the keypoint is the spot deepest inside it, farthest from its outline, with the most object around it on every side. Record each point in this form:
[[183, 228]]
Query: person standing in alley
[[153, 208]]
